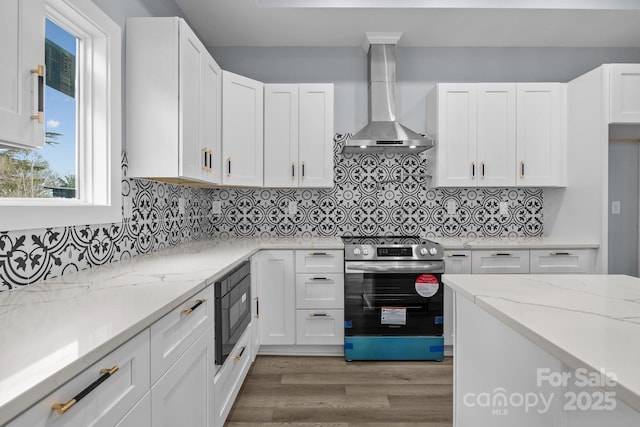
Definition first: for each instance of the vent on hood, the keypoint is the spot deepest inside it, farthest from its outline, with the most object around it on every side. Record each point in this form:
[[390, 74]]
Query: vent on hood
[[384, 133]]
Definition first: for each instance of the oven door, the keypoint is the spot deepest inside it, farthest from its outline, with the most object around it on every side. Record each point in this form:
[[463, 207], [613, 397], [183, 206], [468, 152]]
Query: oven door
[[392, 298], [233, 315]]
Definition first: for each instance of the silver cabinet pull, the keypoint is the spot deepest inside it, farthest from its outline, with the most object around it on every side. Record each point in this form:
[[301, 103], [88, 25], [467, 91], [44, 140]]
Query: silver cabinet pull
[[239, 355], [457, 255], [38, 93], [502, 254], [319, 315], [560, 253]]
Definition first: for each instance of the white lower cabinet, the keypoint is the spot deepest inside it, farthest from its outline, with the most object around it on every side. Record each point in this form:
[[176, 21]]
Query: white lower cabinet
[[183, 396], [500, 262], [106, 404], [230, 377], [456, 262], [140, 415], [320, 327], [557, 261]]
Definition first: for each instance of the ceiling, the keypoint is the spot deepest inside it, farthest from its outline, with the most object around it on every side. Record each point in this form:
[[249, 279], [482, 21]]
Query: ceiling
[[527, 23]]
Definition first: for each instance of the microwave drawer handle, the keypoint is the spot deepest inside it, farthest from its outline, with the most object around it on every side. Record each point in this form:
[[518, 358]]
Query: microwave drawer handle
[[61, 408], [193, 307], [239, 355]]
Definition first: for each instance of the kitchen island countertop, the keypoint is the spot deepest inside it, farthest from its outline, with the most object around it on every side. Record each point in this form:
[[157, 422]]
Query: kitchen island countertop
[[52, 331], [586, 321]]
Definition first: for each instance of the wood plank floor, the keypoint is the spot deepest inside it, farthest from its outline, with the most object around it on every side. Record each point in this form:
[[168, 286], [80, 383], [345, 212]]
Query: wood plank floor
[[327, 391]]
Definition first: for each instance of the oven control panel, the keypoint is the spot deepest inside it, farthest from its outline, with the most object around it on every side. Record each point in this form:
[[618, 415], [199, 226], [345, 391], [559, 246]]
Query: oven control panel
[[394, 252]]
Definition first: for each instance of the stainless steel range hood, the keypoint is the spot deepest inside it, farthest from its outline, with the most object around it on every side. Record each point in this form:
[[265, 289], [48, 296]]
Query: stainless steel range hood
[[384, 133]]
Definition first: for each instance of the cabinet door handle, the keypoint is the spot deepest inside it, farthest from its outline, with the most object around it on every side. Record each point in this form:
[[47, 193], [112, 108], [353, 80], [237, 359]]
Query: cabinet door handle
[[37, 81], [193, 307], [319, 278], [319, 254], [458, 255], [502, 254], [206, 160], [302, 170], [61, 408], [228, 166], [319, 315], [482, 170], [293, 171], [257, 307], [473, 170], [239, 355], [560, 253], [210, 161], [521, 169]]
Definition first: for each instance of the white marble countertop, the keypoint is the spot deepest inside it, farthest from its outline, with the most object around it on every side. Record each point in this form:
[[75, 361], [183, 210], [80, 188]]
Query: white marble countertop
[[586, 321], [52, 331], [460, 243]]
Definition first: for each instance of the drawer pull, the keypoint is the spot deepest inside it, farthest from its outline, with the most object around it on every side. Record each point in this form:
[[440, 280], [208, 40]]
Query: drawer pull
[[319, 254], [502, 254], [196, 305], [320, 278], [458, 255], [319, 315], [560, 253], [236, 358], [61, 408]]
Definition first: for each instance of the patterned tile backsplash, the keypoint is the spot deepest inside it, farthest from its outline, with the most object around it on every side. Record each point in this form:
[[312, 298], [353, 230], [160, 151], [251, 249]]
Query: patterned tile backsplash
[[372, 195]]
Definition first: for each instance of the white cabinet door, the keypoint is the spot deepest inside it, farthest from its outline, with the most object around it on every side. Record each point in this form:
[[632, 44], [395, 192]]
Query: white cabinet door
[[320, 327], [140, 415], [184, 395], [541, 135], [174, 111], [456, 148], [496, 134], [276, 291], [500, 262], [22, 31], [573, 261], [211, 120], [242, 130], [255, 310], [456, 262], [625, 93], [105, 404], [316, 136], [281, 135]]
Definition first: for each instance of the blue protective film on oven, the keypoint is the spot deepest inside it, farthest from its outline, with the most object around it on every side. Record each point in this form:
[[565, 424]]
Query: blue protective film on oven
[[393, 348], [438, 320], [348, 324]]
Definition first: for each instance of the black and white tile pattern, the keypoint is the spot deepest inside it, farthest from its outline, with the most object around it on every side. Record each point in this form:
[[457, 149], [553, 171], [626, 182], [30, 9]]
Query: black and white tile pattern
[[372, 195]]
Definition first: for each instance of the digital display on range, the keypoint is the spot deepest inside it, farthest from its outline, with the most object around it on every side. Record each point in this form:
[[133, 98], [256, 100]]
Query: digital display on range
[[407, 251]]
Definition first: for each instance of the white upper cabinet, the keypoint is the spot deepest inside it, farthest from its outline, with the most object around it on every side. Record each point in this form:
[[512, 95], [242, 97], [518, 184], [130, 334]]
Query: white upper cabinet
[[298, 135], [173, 104], [242, 130], [21, 86], [498, 134], [625, 93], [453, 120], [541, 134]]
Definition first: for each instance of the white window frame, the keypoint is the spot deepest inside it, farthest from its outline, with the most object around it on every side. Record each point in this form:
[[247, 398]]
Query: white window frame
[[99, 131]]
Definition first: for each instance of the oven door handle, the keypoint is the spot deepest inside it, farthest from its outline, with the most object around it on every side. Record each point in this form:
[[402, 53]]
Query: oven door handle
[[407, 267]]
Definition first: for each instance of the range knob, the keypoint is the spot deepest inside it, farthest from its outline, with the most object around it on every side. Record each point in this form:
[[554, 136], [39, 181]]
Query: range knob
[[433, 251], [356, 251], [423, 251]]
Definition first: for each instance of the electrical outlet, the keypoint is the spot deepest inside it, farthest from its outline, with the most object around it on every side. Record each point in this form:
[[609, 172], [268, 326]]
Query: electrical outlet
[[127, 207], [615, 207], [181, 205], [504, 208], [293, 207], [452, 207], [216, 207]]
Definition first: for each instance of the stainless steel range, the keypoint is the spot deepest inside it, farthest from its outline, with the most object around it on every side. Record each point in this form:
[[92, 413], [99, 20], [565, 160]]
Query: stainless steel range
[[393, 298]]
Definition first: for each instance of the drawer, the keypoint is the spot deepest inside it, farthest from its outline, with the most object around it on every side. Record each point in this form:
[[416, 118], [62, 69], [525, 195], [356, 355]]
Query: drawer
[[320, 290], [108, 402], [500, 262], [319, 327], [230, 377], [562, 261], [457, 262], [174, 333], [319, 261]]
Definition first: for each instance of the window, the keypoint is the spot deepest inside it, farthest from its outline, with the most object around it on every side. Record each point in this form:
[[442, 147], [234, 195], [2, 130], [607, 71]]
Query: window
[[75, 178]]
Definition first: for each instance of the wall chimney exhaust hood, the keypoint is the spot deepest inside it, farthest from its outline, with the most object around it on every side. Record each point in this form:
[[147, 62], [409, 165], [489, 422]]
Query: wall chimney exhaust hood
[[384, 134]]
